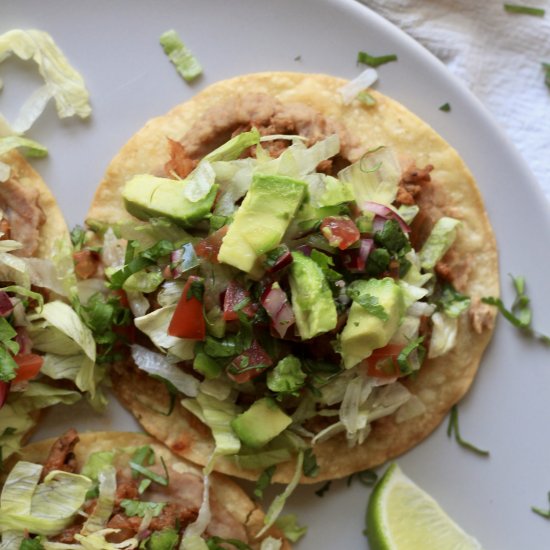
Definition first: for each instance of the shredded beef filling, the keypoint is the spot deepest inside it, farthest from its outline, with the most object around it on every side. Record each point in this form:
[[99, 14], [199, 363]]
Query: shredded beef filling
[[61, 455], [22, 216]]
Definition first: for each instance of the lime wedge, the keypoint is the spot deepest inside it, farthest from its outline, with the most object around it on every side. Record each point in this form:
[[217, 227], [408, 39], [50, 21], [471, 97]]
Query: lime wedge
[[401, 516]]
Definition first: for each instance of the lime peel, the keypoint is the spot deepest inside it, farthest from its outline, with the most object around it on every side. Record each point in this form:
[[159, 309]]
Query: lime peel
[[401, 516]]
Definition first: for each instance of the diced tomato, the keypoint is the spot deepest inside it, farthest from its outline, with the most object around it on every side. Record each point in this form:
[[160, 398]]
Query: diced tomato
[[188, 319], [122, 298], [340, 231], [6, 307], [383, 362], [24, 340], [242, 369], [86, 263], [29, 366], [4, 390], [209, 248], [234, 295]]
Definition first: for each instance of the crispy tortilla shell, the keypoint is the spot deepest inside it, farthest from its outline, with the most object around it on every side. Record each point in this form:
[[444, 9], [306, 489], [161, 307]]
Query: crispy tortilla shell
[[224, 491], [441, 382]]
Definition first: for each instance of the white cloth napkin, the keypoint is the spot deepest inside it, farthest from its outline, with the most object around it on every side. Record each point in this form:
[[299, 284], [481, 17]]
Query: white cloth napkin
[[497, 54]]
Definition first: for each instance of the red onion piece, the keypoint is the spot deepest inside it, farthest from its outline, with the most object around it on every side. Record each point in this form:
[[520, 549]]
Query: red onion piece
[[304, 249], [387, 213], [6, 307], [276, 304], [355, 259], [23, 339], [378, 223], [284, 259]]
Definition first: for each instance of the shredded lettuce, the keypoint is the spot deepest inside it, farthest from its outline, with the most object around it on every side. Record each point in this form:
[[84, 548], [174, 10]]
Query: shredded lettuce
[[444, 333], [279, 501], [62, 82], [235, 147], [199, 182], [217, 415], [186, 63], [353, 88], [156, 365], [41, 508], [198, 527], [16, 415], [30, 148], [270, 543], [288, 524], [193, 542], [105, 502], [374, 178], [155, 325], [439, 241]]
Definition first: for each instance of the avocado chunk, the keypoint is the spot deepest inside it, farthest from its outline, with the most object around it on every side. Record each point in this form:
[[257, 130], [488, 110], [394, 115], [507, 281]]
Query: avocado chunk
[[149, 196], [262, 422], [312, 301], [365, 331], [261, 221]]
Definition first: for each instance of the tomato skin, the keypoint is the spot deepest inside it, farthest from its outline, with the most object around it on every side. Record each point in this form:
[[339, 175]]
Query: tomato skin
[[255, 355], [234, 295], [29, 366], [383, 362], [340, 231], [209, 248], [188, 319]]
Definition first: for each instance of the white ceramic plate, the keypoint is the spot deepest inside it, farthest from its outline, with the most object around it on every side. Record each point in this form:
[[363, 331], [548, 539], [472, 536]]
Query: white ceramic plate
[[115, 46]]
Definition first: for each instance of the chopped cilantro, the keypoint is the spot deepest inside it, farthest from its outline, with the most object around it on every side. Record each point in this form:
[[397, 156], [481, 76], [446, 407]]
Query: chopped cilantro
[[452, 302], [287, 377], [446, 107], [453, 428], [526, 10], [264, 481], [322, 490], [146, 472], [325, 262], [367, 301], [139, 508], [310, 466], [366, 99], [520, 313], [288, 524], [378, 262], [374, 61], [541, 512], [31, 544], [546, 67], [391, 237], [78, 237], [166, 539], [140, 261], [196, 289], [405, 353]]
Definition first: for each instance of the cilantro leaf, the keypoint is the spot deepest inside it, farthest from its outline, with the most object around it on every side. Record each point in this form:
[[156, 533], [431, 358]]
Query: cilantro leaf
[[31, 544], [453, 428], [287, 376], [310, 466], [540, 511], [520, 313], [325, 262], [391, 237], [140, 261], [546, 67], [8, 367], [446, 107], [452, 302], [78, 237], [264, 481], [405, 353], [526, 10], [139, 508], [367, 301], [378, 262], [373, 61]]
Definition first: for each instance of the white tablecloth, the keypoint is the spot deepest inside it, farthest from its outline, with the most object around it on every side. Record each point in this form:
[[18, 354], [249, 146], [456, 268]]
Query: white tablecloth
[[497, 54]]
